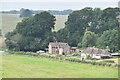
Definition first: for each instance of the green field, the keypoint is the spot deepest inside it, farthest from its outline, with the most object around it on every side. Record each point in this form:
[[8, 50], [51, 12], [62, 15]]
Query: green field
[[0, 67], [18, 66], [9, 22]]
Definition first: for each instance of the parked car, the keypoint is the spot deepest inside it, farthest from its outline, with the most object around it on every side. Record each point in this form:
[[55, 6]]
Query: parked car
[[40, 51], [74, 54]]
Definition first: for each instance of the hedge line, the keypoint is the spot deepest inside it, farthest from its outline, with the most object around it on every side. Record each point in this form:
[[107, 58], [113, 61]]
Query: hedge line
[[59, 57]]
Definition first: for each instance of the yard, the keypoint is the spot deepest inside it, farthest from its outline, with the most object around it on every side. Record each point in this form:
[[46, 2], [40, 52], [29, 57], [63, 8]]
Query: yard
[[19, 66]]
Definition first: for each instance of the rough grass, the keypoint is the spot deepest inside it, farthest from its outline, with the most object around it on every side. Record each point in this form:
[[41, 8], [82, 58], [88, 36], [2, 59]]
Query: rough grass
[[18, 66], [9, 22], [0, 66]]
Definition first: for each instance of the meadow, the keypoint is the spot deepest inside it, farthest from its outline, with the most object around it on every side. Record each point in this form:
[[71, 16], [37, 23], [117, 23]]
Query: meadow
[[9, 22], [19, 66]]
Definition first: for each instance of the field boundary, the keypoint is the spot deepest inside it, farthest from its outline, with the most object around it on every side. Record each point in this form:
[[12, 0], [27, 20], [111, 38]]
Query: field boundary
[[64, 58]]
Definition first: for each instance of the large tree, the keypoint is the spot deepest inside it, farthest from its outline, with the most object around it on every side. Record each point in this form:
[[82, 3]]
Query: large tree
[[108, 20], [89, 39], [109, 39], [77, 23], [36, 26], [34, 32], [88, 19]]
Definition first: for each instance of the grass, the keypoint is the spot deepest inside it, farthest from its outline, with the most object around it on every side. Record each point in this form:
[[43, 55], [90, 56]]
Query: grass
[[0, 66], [9, 22], [18, 66], [60, 22], [113, 59]]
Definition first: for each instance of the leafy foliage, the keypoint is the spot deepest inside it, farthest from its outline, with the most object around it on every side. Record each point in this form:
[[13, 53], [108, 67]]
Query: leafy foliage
[[109, 39], [35, 32], [88, 19], [89, 39], [87, 27]]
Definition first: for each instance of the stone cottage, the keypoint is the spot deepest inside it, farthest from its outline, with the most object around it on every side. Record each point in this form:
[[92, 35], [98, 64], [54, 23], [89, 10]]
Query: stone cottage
[[58, 48]]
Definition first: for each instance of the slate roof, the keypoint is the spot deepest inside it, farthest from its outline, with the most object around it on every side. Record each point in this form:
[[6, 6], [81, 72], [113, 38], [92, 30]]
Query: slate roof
[[91, 50]]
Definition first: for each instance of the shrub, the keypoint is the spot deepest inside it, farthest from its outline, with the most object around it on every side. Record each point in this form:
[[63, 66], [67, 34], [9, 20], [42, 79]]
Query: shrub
[[88, 57], [109, 65], [109, 61]]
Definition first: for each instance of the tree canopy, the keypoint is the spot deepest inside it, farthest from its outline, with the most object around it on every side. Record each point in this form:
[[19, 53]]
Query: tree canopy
[[82, 23], [109, 39], [89, 39], [35, 32], [84, 28]]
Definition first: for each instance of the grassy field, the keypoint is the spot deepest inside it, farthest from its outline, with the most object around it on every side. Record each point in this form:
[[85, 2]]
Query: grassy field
[[0, 66], [9, 22], [16, 66]]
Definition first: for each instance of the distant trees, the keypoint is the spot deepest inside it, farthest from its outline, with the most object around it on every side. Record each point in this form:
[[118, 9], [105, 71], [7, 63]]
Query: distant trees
[[53, 12], [64, 12], [25, 13]]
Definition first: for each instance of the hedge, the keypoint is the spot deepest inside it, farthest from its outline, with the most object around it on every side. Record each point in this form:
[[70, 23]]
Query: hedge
[[66, 58]]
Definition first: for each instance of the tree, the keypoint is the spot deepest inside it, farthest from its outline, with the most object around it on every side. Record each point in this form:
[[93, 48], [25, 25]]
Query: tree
[[36, 26], [34, 33], [77, 23], [25, 13], [87, 19], [109, 39], [89, 39], [108, 20]]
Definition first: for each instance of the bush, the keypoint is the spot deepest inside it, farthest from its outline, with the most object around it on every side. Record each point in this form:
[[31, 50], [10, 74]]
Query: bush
[[109, 61], [88, 57], [108, 65]]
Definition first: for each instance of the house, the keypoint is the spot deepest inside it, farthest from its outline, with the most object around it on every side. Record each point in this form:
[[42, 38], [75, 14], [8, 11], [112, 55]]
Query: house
[[58, 48], [95, 53], [74, 50]]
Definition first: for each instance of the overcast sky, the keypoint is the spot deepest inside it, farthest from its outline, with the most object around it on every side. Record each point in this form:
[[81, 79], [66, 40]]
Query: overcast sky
[[55, 4]]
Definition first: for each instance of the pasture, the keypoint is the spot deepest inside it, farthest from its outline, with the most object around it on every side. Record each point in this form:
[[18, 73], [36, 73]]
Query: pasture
[[19, 66], [9, 22]]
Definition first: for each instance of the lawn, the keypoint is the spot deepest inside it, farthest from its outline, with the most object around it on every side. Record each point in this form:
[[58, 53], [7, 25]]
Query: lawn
[[18, 66]]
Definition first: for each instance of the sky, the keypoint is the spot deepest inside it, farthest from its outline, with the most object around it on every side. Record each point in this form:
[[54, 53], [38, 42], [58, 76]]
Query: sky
[[6, 5]]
